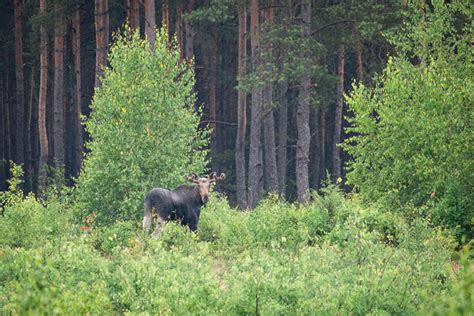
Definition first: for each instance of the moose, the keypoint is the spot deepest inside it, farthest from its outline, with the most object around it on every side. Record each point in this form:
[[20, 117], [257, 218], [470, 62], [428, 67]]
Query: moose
[[182, 204]]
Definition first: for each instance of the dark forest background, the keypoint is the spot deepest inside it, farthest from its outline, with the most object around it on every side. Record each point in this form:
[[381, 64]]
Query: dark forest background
[[270, 76]]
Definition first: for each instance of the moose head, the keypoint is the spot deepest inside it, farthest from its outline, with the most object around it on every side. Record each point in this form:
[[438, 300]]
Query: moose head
[[205, 183]]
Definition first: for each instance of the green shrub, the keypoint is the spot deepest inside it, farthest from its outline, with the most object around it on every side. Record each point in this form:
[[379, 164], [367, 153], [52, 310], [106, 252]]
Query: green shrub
[[29, 224], [143, 127], [68, 279], [412, 136]]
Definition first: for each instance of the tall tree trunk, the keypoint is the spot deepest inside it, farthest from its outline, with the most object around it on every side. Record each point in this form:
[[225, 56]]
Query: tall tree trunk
[[241, 111], [150, 22], [43, 136], [189, 42], [180, 27], [255, 155], [359, 65], [336, 151], [213, 93], [133, 13], [283, 135], [315, 147], [102, 38], [58, 127], [20, 94], [29, 137], [78, 131], [271, 174], [165, 21], [302, 116], [358, 54], [322, 142], [283, 107]]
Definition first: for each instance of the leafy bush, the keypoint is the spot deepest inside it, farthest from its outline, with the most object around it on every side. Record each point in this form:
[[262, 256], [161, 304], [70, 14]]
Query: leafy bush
[[143, 127], [412, 133], [30, 224], [330, 257]]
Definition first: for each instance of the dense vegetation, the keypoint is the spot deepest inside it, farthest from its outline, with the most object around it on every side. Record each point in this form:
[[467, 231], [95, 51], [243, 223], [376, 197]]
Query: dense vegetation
[[329, 257], [399, 243]]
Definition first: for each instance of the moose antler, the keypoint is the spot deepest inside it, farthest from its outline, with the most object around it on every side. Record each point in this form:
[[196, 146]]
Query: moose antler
[[214, 178], [193, 177]]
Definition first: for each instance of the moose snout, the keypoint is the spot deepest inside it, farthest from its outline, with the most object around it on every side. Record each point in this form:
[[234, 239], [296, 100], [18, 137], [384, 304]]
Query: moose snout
[[205, 198]]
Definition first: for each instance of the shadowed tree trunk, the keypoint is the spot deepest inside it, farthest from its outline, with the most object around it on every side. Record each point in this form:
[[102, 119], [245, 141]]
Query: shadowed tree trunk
[[102, 38], [336, 151], [302, 116], [283, 135], [315, 148], [133, 14], [188, 28], [78, 131], [359, 65], [283, 109], [165, 21], [150, 23], [58, 127], [241, 111], [180, 27], [322, 142], [213, 92], [255, 155], [43, 136], [20, 94], [29, 137], [271, 174]]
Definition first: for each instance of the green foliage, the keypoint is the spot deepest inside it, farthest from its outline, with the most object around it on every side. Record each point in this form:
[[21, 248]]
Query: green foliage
[[144, 129], [332, 256], [412, 133], [14, 193]]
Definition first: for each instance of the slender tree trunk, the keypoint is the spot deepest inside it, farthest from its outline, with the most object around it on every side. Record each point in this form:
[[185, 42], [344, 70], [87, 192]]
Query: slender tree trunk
[[189, 43], [271, 174], [359, 65], [213, 92], [102, 38], [150, 22], [43, 136], [165, 22], [315, 147], [322, 142], [336, 151], [133, 14], [78, 131], [283, 135], [241, 112], [20, 94], [180, 27], [358, 54], [29, 137], [255, 155], [58, 127], [302, 116], [283, 109]]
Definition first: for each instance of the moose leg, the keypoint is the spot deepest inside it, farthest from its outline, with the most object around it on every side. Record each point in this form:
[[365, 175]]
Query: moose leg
[[147, 221], [159, 227]]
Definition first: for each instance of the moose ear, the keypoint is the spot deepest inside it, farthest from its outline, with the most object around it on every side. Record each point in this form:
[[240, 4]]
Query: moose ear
[[221, 177]]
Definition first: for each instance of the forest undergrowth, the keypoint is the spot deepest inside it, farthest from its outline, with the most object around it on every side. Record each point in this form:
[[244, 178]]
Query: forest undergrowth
[[331, 256]]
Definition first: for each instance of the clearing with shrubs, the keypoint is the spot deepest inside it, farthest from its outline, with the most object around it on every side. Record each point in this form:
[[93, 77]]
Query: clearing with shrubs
[[382, 224]]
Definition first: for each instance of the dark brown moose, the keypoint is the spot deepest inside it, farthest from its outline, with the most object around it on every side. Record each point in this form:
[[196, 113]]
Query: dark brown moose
[[182, 204]]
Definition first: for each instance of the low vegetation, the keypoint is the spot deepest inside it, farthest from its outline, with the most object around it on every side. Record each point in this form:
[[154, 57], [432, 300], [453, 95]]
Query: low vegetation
[[332, 256]]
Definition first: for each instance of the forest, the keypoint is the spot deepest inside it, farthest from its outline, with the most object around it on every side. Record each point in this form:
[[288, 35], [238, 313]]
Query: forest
[[341, 132]]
